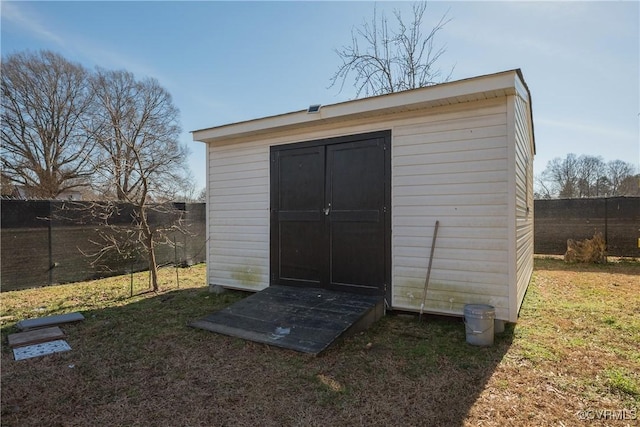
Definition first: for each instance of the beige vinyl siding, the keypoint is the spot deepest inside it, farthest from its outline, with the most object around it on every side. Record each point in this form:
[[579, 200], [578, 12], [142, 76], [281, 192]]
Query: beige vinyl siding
[[238, 216], [451, 167], [239, 184], [524, 200], [452, 164]]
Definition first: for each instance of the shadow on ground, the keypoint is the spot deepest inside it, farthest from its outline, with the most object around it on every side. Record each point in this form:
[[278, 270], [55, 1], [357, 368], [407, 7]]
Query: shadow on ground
[[139, 364]]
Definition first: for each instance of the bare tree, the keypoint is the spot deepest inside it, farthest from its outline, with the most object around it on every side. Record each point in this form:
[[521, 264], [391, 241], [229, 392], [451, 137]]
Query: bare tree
[[6, 186], [619, 171], [383, 60], [137, 134], [45, 102], [592, 181], [562, 176], [120, 237], [585, 176], [543, 189], [202, 196], [630, 186], [141, 159]]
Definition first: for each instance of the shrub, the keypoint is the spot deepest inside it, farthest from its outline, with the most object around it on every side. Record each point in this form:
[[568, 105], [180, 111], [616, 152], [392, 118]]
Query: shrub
[[588, 251]]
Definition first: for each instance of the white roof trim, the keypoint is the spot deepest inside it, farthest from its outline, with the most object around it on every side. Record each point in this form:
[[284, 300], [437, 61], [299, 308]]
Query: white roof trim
[[489, 86]]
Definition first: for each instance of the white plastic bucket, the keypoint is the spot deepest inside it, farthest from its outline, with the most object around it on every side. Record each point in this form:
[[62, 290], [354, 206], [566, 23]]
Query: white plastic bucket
[[479, 324]]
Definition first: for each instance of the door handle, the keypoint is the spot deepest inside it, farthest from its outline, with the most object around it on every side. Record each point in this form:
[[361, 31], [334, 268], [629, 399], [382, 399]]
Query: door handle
[[327, 210]]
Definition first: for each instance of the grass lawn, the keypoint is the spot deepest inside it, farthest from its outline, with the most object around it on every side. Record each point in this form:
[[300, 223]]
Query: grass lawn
[[574, 353]]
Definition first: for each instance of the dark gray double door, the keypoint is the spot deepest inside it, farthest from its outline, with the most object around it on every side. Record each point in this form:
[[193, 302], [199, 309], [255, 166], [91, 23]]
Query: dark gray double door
[[330, 214]]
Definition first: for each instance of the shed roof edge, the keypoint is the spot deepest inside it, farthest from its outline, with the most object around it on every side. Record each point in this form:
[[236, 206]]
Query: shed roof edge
[[454, 92]]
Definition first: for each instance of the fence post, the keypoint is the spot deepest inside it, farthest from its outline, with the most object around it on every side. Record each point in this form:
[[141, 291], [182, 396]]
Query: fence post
[[175, 259], [606, 222], [50, 238]]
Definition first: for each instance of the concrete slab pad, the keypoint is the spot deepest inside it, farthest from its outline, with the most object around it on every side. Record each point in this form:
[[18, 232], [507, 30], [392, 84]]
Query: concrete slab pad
[[42, 349]]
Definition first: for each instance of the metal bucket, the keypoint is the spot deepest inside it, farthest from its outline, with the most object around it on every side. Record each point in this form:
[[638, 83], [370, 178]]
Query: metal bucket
[[479, 324]]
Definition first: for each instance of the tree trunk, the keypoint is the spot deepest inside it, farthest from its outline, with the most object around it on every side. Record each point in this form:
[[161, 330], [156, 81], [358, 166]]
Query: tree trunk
[[151, 250], [153, 266]]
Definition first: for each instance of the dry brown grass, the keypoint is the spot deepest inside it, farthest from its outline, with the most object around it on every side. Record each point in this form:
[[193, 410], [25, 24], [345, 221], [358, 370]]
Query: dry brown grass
[[134, 362]]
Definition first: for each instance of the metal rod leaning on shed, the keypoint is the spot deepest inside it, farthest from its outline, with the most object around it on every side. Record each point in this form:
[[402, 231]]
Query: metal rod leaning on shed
[[426, 281], [175, 259]]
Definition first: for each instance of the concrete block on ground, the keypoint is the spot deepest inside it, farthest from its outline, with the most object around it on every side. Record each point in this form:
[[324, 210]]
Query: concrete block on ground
[[42, 322], [35, 337]]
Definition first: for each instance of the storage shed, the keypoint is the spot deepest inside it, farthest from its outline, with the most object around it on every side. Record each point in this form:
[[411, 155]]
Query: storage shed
[[346, 196]]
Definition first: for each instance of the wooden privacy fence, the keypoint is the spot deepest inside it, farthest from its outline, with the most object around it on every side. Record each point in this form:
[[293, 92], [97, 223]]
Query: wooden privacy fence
[[617, 218], [43, 242]]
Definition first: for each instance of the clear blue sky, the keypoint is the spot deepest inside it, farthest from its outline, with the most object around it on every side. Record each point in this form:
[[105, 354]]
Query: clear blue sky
[[225, 62]]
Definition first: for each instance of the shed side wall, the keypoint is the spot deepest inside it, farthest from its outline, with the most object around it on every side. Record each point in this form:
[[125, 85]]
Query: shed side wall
[[524, 201], [454, 170]]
